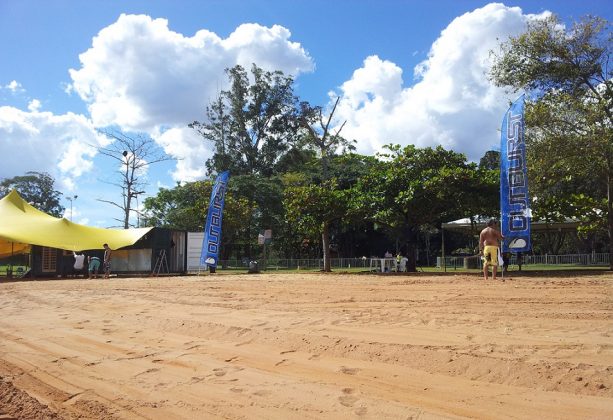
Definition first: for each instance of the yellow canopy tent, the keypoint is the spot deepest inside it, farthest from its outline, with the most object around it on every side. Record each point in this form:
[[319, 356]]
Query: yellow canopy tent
[[20, 223]]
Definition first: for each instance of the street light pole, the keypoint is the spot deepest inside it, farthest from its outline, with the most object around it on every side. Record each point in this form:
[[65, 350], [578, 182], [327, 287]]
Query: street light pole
[[71, 199]]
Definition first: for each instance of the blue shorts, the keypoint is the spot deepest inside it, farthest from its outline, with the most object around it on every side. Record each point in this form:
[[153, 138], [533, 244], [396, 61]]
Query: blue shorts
[[94, 265]]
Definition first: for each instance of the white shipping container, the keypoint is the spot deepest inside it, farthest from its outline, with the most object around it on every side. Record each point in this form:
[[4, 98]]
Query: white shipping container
[[194, 249]]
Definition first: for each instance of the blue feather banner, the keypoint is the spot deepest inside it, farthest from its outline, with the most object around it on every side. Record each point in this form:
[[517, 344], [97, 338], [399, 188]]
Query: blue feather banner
[[212, 229], [514, 199]]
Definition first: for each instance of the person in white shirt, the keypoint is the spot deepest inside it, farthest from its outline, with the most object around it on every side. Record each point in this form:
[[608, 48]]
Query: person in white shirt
[[79, 262], [403, 264]]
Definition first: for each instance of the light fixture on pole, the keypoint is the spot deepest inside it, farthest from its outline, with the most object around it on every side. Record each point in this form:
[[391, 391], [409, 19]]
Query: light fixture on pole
[[71, 199]]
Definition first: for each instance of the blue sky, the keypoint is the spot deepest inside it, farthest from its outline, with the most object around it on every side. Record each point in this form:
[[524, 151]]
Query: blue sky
[[408, 72]]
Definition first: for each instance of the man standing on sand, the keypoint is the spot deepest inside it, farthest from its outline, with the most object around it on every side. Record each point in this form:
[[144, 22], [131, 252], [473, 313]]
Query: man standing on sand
[[488, 247], [107, 261]]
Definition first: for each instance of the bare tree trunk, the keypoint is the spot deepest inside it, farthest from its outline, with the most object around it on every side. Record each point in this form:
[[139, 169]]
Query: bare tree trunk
[[325, 241], [559, 241], [126, 217], [610, 217], [412, 262]]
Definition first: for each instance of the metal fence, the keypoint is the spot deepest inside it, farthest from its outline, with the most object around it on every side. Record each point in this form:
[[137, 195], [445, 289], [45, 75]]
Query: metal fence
[[298, 264], [567, 259], [451, 262]]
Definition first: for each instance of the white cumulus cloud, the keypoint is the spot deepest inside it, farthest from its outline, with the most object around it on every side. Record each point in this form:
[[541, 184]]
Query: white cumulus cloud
[[142, 76], [14, 86], [452, 104], [189, 146], [34, 105], [62, 145]]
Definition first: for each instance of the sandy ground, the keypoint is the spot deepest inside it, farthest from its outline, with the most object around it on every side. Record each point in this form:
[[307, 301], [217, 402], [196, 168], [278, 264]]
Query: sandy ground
[[336, 346]]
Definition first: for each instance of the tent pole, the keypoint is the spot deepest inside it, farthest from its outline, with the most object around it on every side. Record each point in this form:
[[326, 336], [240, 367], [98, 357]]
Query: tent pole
[[12, 257], [501, 243], [443, 248]]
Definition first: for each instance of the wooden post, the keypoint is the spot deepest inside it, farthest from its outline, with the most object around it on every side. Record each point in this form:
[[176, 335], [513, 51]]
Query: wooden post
[[443, 248]]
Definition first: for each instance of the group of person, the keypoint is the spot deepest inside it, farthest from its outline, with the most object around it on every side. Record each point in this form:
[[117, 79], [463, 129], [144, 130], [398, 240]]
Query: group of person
[[93, 263], [400, 261]]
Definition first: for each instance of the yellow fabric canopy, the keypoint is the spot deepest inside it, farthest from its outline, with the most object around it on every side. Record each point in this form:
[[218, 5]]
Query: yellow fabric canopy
[[21, 223]]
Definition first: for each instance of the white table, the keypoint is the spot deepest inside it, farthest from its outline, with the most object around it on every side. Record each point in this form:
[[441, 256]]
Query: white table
[[383, 263]]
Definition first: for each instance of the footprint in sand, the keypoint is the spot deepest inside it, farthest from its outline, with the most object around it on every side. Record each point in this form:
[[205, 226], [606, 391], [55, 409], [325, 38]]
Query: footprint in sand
[[361, 411], [262, 393], [152, 370], [219, 371], [347, 399], [349, 371]]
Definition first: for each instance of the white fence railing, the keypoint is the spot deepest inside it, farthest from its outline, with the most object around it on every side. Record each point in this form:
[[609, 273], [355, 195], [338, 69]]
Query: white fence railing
[[292, 264], [451, 262], [567, 259]]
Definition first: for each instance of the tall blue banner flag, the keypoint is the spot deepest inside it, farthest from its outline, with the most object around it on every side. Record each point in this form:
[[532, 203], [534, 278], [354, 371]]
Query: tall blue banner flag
[[212, 228], [514, 201]]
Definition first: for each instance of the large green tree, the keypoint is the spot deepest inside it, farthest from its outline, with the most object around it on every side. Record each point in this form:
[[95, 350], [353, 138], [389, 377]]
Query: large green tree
[[411, 187], [38, 189], [568, 75], [313, 207], [318, 134], [253, 124]]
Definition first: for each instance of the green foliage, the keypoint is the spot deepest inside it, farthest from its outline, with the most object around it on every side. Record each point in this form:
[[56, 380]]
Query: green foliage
[[347, 169], [569, 161], [37, 188], [490, 160], [309, 207], [547, 57], [413, 186], [182, 207], [253, 125]]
